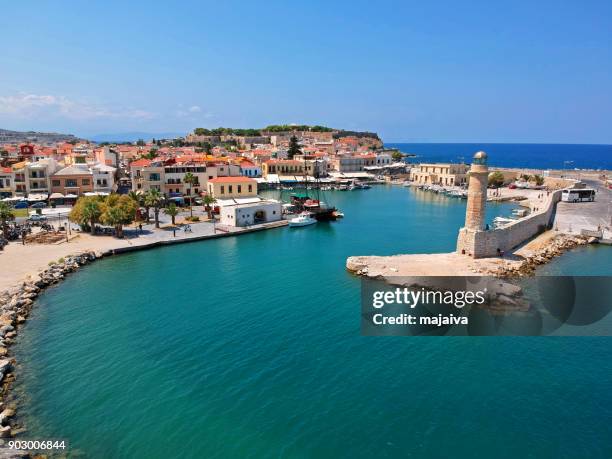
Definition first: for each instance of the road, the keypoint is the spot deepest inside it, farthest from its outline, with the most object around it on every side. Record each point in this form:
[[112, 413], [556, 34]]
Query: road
[[574, 217]]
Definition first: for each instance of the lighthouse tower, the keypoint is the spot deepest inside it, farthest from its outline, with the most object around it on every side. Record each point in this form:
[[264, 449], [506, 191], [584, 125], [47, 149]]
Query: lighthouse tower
[[477, 193], [471, 233]]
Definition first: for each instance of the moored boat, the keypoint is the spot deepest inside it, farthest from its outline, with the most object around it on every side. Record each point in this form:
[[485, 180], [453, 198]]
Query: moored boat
[[303, 219]]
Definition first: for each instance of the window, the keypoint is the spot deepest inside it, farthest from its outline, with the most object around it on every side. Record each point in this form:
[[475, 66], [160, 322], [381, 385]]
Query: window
[[85, 181], [250, 188], [71, 183], [239, 188], [229, 188], [56, 183], [222, 189]]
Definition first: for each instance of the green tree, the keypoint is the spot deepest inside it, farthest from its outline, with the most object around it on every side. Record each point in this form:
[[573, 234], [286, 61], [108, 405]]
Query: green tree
[[172, 211], [397, 156], [135, 197], [154, 198], [6, 215], [86, 212], [118, 211], [294, 147], [496, 179], [538, 179], [140, 143], [190, 180], [208, 200]]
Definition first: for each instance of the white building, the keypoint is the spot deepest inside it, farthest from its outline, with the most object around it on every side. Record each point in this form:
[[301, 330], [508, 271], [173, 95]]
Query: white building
[[103, 177], [383, 159], [246, 212], [249, 169]]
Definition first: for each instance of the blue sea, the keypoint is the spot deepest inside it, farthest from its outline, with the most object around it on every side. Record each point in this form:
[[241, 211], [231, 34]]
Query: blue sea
[[250, 347], [538, 156]]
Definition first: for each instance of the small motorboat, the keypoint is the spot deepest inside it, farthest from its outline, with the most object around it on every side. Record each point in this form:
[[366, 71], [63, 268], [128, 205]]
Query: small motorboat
[[338, 214], [303, 219]]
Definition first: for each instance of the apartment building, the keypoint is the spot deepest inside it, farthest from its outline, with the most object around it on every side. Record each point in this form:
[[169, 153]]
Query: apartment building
[[353, 163], [448, 174], [232, 187], [6, 182]]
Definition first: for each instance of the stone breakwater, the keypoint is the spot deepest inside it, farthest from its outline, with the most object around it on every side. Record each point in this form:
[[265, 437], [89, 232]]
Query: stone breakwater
[[521, 263], [15, 306], [555, 247]]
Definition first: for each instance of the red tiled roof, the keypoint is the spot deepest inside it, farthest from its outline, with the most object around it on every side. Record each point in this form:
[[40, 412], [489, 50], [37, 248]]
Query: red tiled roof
[[140, 162], [232, 180]]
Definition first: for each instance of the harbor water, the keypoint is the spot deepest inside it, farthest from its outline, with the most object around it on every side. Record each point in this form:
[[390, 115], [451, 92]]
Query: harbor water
[[250, 347]]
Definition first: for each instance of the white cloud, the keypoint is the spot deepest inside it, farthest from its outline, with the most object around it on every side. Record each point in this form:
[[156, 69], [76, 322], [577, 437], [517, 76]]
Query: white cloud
[[193, 112], [27, 106]]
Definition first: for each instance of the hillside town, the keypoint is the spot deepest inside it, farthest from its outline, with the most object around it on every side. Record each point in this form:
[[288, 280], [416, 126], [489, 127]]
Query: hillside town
[[225, 166], [217, 176]]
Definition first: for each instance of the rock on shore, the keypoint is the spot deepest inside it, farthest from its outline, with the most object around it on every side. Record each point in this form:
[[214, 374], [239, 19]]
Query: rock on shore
[[555, 247], [15, 306]]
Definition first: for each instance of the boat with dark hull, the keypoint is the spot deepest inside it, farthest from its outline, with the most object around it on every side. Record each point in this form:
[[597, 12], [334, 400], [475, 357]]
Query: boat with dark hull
[[318, 209]]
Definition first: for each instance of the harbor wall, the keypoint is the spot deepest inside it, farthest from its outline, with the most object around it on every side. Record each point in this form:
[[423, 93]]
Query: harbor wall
[[481, 244]]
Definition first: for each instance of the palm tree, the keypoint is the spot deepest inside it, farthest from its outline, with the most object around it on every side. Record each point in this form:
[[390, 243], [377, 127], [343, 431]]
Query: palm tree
[[190, 179], [154, 198], [6, 215], [172, 210], [135, 196], [91, 213], [208, 200]]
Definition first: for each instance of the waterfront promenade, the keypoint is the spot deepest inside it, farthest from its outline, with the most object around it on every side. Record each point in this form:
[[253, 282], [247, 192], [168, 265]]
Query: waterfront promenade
[[30, 259]]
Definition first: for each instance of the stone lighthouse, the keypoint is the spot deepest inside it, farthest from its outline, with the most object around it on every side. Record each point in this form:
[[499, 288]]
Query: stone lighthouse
[[470, 239]]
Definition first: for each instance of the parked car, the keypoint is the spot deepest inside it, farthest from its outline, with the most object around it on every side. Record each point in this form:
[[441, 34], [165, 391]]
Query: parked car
[[21, 205], [37, 218], [39, 205]]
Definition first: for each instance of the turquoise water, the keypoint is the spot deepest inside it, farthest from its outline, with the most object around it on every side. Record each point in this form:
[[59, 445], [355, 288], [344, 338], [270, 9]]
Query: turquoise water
[[522, 155], [250, 347]]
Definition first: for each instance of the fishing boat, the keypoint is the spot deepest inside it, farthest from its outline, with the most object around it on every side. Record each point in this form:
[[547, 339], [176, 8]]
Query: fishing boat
[[361, 186], [303, 219], [318, 209]]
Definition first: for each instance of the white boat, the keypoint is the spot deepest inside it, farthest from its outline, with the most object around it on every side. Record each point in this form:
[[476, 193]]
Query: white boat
[[304, 219], [500, 222], [519, 212]]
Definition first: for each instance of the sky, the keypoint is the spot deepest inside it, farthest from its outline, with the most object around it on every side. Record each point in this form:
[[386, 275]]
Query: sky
[[426, 71]]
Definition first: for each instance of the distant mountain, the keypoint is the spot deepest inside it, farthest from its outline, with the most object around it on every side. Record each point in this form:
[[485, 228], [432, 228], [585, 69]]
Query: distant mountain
[[7, 136], [134, 136]]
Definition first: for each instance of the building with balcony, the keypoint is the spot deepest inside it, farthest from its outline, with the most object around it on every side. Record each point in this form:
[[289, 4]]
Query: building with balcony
[[76, 179], [446, 174]]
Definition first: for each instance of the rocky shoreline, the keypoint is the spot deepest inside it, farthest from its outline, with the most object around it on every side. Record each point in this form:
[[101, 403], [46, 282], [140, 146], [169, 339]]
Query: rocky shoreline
[[554, 248], [15, 306]]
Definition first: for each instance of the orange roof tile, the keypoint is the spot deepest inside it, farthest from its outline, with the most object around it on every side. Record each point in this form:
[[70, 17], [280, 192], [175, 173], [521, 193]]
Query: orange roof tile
[[232, 180]]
